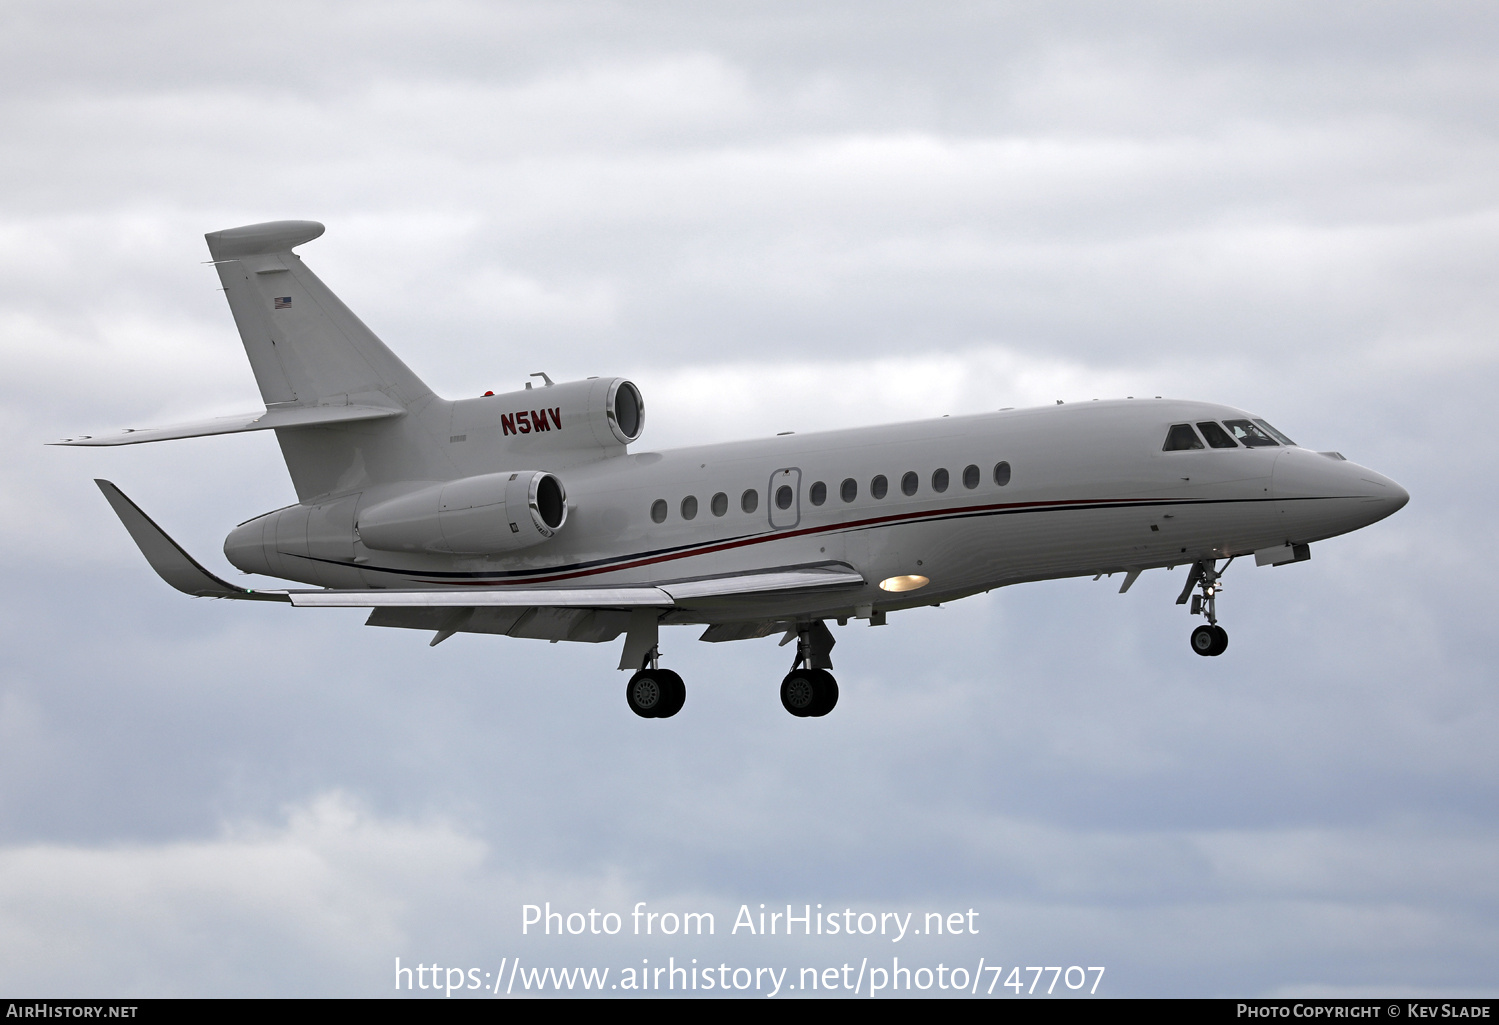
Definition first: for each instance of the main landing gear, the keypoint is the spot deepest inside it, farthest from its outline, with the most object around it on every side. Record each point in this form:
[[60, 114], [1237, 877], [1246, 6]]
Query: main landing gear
[[1210, 638], [655, 693], [809, 690]]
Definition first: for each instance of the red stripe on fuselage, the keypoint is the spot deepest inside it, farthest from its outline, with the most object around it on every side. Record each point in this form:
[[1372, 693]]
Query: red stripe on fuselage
[[711, 548]]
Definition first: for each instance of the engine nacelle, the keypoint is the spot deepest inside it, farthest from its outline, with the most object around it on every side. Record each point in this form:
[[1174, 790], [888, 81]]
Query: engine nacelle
[[483, 515], [599, 414]]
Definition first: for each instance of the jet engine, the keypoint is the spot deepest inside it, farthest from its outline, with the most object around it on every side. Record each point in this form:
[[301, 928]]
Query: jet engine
[[483, 515], [599, 415]]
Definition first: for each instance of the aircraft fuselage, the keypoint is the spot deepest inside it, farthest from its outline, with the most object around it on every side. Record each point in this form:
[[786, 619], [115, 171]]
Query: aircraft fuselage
[[1089, 490]]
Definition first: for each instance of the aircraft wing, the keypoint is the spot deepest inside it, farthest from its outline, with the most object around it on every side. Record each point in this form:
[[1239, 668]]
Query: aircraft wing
[[577, 614], [530, 597], [666, 595], [265, 420], [172, 563], [821, 576], [168, 558]]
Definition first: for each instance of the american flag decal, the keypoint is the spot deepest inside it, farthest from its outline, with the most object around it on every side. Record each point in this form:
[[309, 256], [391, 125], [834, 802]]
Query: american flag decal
[[283, 302]]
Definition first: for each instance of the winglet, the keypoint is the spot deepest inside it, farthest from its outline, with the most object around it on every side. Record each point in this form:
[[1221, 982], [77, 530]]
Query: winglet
[[167, 557]]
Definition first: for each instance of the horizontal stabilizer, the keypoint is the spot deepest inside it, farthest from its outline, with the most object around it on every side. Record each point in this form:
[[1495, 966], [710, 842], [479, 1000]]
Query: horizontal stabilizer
[[269, 419], [167, 557]]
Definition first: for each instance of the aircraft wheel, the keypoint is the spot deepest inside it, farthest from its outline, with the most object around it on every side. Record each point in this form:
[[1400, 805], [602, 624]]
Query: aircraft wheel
[[1205, 640], [809, 692], [827, 697], [676, 694], [1221, 640], [655, 693], [799, 692]]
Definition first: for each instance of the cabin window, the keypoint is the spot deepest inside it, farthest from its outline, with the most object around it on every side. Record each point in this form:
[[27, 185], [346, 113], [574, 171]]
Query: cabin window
[[750, 500], [784, 496], [970, 476], [1216, 436], [818, 493], [909, 483], [1001, 473], [1249, 434], [658, 510], [689, 507], [1276, 434], [1180, 438], [719, 504], [879, 486], [849, 490], [939, 481]]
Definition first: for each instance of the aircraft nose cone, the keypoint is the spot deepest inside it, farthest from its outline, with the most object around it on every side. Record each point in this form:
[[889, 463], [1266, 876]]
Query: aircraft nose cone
[[1381, 496], [1330, 495], [1391, 496]]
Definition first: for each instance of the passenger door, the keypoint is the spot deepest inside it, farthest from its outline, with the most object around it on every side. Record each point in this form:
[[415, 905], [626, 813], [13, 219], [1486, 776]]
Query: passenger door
[[785, 498]]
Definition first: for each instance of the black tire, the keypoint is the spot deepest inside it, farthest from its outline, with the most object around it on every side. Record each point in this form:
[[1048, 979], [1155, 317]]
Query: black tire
[[800, 692], [827, 693], [809, 693], [649, 693], [676, 693], [1221, 636], [1205, 640]]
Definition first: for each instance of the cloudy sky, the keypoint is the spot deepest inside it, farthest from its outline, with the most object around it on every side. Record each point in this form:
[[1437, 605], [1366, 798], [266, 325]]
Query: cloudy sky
[[772, 217]]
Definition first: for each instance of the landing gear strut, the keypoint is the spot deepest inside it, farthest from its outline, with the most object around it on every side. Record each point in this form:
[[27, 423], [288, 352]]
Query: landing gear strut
[[809, 690], [655, 693], [1209, 639]]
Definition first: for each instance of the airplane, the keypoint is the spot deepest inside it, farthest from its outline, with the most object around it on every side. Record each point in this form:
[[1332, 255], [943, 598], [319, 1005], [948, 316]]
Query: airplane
[[529, 513]]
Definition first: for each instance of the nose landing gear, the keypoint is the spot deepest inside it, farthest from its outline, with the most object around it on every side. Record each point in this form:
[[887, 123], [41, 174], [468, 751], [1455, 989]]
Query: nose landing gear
[[655, 693], [1210, 639]]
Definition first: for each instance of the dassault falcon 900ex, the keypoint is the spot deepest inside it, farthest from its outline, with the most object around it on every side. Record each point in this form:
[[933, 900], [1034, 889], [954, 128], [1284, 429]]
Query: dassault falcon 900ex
[[527, 513]]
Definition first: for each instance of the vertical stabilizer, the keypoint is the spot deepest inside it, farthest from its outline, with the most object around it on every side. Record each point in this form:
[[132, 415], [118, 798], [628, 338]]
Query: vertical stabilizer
[[305, 346], [308, 349]]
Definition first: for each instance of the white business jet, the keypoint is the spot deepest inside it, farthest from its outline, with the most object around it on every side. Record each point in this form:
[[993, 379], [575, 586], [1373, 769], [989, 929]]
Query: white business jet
[[527, 513]]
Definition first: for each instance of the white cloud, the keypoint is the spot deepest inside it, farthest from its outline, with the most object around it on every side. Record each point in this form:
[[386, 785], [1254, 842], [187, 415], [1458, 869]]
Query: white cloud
[[309, 903], [729, 401]]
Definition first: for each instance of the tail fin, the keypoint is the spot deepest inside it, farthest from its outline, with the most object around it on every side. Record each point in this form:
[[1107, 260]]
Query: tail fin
[[309, 350], [306, 347]]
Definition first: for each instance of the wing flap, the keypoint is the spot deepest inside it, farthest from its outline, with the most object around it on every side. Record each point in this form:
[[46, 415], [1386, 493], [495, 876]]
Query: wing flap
[[266, 420], [547, 623]]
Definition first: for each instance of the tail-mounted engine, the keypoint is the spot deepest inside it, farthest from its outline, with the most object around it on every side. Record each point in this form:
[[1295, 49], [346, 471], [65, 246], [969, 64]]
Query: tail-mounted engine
[[483, 515], [600, 415]]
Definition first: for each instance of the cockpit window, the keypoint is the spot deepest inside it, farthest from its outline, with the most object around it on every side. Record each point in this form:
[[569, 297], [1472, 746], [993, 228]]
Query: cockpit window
[[1216, 436], [1181, 437], [1276, 434], [1249, 434]]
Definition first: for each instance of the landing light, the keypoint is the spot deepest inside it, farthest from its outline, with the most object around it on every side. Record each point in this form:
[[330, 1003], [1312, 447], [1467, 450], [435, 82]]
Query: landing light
[[906, 582]]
